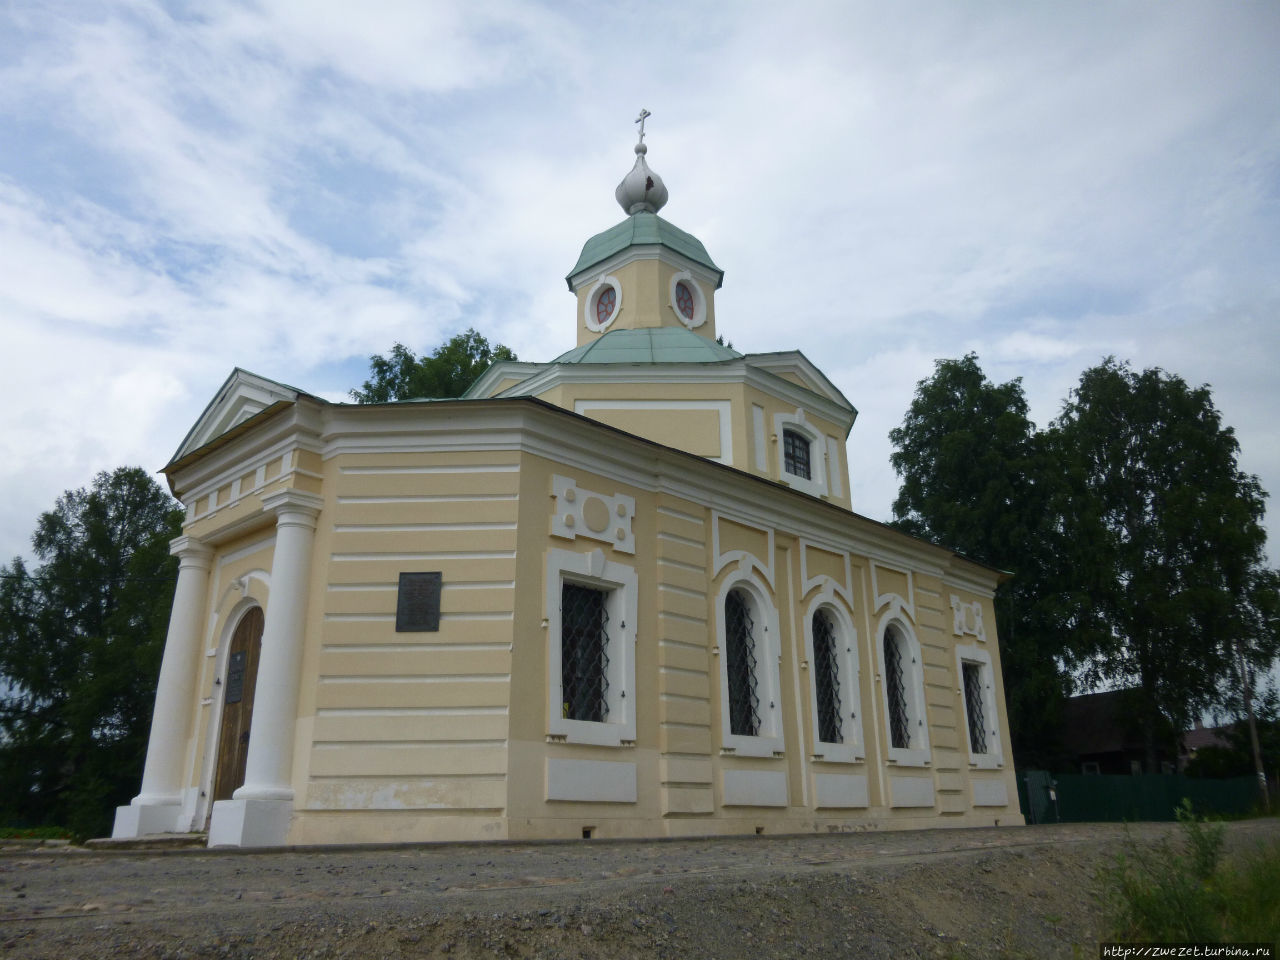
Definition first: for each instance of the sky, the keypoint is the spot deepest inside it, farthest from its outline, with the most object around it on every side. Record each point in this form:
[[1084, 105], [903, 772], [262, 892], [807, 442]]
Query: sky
[[290, 187]]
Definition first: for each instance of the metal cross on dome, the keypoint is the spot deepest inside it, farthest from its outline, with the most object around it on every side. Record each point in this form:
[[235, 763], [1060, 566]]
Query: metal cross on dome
[[640, 120]]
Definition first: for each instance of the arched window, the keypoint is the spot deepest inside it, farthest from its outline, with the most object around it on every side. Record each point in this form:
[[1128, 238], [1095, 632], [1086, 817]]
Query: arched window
[[802, 460], [830, 644], [796, 454], [974, 708], [902, 693], [747, 633], [826, 678], [895, 690], [978, 697], [741, 663]]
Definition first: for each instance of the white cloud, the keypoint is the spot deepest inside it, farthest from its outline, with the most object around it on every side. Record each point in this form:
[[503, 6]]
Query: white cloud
[[287, 186]]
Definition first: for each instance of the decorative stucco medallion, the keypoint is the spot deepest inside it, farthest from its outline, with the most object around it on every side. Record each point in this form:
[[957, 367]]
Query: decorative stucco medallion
[[587, 513]]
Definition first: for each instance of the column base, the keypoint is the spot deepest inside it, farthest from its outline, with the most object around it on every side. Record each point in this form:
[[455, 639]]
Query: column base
[[250, 823], [146, 819]]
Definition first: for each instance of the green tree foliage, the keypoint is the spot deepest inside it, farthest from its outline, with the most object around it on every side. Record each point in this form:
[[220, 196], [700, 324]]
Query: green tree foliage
[[1134, 539], [447, 372], [81, 637], [1235, 758], [1164, 543], [976, 478], [964, 452]]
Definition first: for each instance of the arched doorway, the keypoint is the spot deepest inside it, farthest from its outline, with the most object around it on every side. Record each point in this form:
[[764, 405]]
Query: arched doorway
[[237, 704]]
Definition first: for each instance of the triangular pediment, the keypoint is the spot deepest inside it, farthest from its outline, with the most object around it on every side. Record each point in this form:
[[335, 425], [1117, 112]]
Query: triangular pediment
[[794, 366], [242, 396]]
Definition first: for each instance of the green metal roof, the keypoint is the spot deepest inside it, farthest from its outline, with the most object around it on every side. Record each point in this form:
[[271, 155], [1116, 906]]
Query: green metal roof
[[650, 345], [642, 229]]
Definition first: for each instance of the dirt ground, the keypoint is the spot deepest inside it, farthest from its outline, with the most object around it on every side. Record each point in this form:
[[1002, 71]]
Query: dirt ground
[[1014, 892]]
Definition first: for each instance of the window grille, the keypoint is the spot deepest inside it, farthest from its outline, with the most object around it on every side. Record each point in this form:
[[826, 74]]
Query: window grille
[[740, 664], [584, 653], [974, 707], [826, 672], [896, 692], [795, 454]]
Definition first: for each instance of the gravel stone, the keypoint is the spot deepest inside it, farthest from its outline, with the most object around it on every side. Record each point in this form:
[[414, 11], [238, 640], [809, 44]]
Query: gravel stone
[[926, 894]]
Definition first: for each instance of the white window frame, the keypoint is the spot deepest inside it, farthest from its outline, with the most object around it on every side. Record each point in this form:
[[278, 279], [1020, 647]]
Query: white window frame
[[592, 570], [981, 658], [699, 300], [816, 483], [769, 741], [913, 682], [853, 748], [589, 305]]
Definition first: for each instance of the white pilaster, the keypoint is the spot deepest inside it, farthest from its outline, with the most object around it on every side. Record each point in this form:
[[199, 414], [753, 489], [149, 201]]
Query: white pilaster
[[157, 806], [269, 763]]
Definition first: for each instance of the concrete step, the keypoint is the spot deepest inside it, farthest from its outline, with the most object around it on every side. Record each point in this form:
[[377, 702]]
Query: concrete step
[[154, 841], [23, 843]]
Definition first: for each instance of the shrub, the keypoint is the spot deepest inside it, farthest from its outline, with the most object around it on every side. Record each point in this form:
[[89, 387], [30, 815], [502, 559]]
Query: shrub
[[1184, 891]]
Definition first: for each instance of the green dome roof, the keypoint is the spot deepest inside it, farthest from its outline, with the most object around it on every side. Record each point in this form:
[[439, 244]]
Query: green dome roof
[[650, 345], [642, 229]]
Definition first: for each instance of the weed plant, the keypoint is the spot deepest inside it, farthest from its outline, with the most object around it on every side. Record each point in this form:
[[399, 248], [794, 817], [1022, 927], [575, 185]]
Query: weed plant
[[1185, 891]]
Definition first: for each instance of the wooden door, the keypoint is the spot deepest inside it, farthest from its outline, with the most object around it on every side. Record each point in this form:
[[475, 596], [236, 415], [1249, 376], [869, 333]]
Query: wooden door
[[237, 704]]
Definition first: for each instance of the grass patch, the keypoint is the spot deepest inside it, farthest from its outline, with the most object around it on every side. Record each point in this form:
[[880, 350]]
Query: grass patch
[[1184, 890]]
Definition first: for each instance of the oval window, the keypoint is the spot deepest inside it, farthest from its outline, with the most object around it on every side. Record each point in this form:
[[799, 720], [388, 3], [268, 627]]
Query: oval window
[[684, 301], [605, 303]]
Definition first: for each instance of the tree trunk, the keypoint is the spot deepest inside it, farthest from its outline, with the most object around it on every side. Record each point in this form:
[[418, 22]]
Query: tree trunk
[[1150, 722]]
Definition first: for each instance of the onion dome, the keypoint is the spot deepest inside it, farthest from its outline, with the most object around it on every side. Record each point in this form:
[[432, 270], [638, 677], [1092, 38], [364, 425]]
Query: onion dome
[[641, 190]]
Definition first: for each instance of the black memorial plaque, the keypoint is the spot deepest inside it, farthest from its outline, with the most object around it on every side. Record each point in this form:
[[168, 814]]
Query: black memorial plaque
[[418, 603], [235, 677]]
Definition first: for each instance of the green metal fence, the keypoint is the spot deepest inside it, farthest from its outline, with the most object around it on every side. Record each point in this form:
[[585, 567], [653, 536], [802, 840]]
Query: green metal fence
[[1080, 798]]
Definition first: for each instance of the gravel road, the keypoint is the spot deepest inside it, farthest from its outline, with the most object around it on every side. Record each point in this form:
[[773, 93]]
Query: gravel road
[[1026, 891]]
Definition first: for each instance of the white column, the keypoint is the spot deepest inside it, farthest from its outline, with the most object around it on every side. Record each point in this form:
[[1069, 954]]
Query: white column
[[268, 768], [157, 806], [258, 813]]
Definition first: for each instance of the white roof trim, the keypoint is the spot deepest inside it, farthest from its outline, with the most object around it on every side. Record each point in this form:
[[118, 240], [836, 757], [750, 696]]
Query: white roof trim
[[576, 443], [499, 371], [648, 251], [823, 400], [793, 361], [242, 396]]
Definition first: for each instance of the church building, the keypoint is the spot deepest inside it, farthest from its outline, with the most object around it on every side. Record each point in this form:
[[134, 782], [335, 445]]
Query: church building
[[620, 594]]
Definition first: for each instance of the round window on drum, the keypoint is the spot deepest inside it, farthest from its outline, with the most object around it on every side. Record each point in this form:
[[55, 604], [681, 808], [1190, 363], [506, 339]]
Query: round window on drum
[[684, 301], [606, 302]]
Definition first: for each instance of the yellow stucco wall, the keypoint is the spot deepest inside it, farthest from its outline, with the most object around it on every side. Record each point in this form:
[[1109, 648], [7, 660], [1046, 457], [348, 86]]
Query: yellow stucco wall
[[446, 735], [646, 299], [718, 420]]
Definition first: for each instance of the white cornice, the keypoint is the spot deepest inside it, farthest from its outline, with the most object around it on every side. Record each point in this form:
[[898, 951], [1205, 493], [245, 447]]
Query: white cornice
[[649, 251], [575, 442], [293, 427], [499, 371], [242, 396], [793, 361], [736, 493], [553, 375]]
